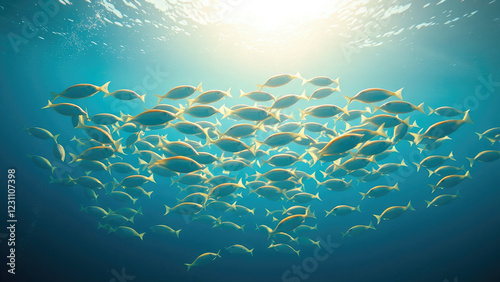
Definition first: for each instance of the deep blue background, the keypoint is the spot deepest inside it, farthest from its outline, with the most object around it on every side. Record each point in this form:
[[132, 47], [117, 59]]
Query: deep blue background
[[438, 65]]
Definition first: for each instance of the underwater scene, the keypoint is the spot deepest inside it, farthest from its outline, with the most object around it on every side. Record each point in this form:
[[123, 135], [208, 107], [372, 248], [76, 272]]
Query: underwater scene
[[233, 140]]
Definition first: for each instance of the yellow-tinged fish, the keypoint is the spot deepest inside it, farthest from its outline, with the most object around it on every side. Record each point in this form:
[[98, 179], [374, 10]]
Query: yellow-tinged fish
[[239, 249], [164, 229], [279, 80], [442, 129], [442, 199], [79, 91], [357, 230], [179, 92], [450, 181], [203, 259], [393, 212], [485, 156], [373, 95]]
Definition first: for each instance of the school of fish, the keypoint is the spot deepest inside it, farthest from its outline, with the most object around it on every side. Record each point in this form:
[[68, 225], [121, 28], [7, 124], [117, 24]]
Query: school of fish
[[218, 165]]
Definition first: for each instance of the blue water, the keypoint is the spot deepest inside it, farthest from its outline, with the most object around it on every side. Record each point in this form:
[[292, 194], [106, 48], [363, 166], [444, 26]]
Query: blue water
[[441, 54]]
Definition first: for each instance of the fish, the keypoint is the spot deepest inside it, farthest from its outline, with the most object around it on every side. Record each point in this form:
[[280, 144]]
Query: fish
[[210, 96], [442, 129], [442, 199], [284, 248], [41, 133], [373, 95], [66, 109], [342, 210], [287, 101], [164, 229], [279, 80], [203, 259], [393, 212], [96, 153], [357, 230], [321, 81], [281, 138], [434, 161], [128, 232], [322, 111], [251, 113], [105, 119], [485, 156], [179, 92], [445, 111], [152, 117], [229, 225], [450, 181], [126, 95], [80, 91], [258, 96], [379, 191], [179, 164], [239, 249], [399, 107], [42, 162], [186, 208]]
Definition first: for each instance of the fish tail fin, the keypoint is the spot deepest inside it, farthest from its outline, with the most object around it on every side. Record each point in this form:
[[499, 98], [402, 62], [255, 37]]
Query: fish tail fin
[[467, 175], [259, 86], [226, 112], [142, 235], [48, 105], [343, 234], [167, 210], [143, 98], [349, 99], [251, 252], [328, 212], [276, 115], [243, 228], [417, 137], [190, 102], [431, 110], [378, 217], [467, 118], [228, 93], [375, 108], [433, 187], [198, 88], [430, 172], [242, 94], [313, 156], [450, 156], [177, 232], [457, 194], [55, 137], [420, 108], [417, 165], [104, 88], [188, 265], [409, 207], [363, 194], [398, 94], [74, 157], [302, 114], [471, 161], [304, 81], [298, 76], [479, 135], [429, 203], [357, 208], [304, 96]]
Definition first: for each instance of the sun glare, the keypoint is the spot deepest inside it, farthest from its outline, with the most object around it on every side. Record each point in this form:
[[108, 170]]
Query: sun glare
[[275, 16]]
